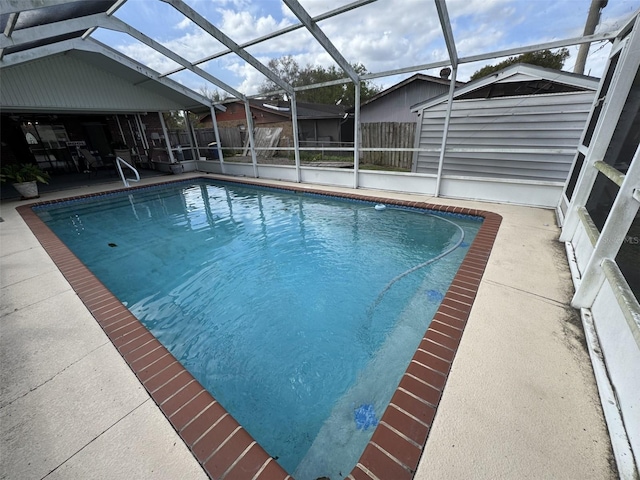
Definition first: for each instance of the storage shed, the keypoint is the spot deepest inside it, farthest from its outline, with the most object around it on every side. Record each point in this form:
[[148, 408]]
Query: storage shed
[[520, 124]]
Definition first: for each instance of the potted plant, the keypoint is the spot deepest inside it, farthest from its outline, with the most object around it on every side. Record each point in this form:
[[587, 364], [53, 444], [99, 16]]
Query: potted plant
[[175, 166], [24, 178]]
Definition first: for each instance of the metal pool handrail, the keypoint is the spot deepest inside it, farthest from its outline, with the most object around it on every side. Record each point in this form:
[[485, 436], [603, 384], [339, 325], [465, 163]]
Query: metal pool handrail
[[126, 180]]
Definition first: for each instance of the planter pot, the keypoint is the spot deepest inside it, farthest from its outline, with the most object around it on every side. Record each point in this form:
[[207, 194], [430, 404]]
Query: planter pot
[[27, 189], [176, 168], [189, 166]]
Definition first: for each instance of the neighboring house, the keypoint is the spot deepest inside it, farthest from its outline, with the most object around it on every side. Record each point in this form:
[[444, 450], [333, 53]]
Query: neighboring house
[[394, 104], [388, 122], [521, 123], [317, 123]]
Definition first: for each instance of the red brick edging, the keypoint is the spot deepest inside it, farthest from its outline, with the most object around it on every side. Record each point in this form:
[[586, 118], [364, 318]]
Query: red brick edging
[[223, 448]]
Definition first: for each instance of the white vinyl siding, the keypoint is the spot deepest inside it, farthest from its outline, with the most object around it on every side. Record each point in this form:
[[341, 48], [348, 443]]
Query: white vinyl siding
[[79, 86], [396, 105], [542, 132]]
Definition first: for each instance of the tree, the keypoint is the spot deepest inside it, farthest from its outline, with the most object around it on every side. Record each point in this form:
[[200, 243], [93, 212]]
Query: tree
[[213, 95], [173, 120], [542, 58], [344, 94]]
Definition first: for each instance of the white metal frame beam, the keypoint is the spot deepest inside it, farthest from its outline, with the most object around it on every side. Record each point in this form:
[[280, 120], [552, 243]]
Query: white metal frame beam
[[42, 32], [116, 24], [321, 38], [497, 54], [38, 52], [67, 26], [216, 33], [103, 20], [475, 58], [330, 48], [8, 30], [90, 23], [277, 33], [445, 23], [216, 132], [115, 7], [11, 24], [569, 42], [92, 45], [15, 6]]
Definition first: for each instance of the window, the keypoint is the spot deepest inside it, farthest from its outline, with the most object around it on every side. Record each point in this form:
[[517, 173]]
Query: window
[[626, 136], [601, 199], [601, 99], [619, 155], [573, 179], [628, 257]]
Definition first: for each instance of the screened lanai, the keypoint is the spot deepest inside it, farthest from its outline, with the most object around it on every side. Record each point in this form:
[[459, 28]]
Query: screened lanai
[[76, 42], [99, 61]]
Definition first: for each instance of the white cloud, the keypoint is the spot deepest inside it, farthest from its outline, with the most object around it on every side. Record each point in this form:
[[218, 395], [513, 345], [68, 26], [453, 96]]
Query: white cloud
[[251, 78], [148, 56], [384, 35], [243, 26], [184, 24]]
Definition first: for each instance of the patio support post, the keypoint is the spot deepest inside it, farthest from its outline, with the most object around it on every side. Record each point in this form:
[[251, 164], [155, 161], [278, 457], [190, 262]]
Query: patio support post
[[143, 140], [166, 138], [323, 40], [124, 140], [252, 145], [296, 143], [445, 23], [356, 135], [217, 134], [192, 138], [133, 134], [143, 136], [445, 132]]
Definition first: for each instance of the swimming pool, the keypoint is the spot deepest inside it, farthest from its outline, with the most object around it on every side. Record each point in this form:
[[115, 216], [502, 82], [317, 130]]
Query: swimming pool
[[252, 214]]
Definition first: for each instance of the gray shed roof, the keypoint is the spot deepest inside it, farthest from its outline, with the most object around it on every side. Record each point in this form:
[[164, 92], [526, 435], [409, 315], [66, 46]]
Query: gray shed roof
[[518, 73]]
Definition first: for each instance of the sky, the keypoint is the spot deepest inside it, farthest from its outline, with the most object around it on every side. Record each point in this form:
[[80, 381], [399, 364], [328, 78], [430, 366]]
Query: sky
[[383, 35]]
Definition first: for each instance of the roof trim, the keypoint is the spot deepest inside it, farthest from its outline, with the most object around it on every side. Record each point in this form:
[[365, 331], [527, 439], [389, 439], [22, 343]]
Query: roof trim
[[411, 79], [285, 111], [533, 71]]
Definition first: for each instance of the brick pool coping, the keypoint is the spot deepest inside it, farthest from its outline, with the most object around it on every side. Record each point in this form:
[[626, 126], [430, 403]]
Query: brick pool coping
[[222, 447]]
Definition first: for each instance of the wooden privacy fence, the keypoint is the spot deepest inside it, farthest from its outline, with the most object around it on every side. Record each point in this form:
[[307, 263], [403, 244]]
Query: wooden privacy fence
[[388, 135], [230, 137], [374, 135]]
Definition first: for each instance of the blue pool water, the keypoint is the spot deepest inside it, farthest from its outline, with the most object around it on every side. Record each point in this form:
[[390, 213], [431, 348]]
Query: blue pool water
[[298, 312]]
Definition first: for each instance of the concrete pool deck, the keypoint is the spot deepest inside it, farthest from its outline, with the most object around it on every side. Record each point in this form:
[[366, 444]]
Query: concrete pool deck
[[520, 401]]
